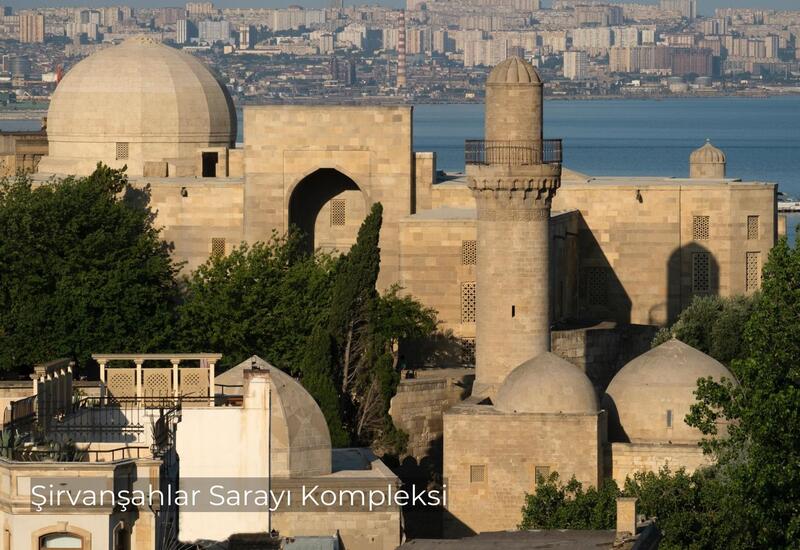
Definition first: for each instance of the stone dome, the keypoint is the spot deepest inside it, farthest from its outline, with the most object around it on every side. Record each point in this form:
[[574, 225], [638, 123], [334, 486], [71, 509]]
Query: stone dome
[[708, 154], [158, 103], [301, 442], [649, 398], [546, 384], [514, 70]]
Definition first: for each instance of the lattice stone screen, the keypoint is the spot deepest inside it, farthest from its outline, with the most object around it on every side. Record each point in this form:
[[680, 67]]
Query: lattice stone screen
[[596, 284], [338, 212], [121, 382], [469, 252], [753, 268], [157, 382], [752, 227], [194, 382], [701, 272], [122, 150], [477, 473], [468, 302], [217, 246], [468, 351], [700, 228]]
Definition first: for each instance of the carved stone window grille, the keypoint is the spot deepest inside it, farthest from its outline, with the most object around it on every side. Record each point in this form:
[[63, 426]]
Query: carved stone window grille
[[194, 382], [157, 382], [752, 227], [753, 268], [700, 228], [217, 246], [122, 150], [541, 473], [468, 302], [468, 351], [477, 473], [596, 284], [338, 212], [121, 382], [469, 252], [701, 272]]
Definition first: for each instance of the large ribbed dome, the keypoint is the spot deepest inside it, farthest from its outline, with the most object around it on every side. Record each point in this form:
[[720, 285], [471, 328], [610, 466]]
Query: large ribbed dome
[[157, 102], [649, 398], [546, 384], [514, 70]]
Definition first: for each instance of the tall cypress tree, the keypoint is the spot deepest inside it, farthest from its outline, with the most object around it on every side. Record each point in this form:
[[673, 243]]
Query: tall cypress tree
[[317, 369], [354, 298]]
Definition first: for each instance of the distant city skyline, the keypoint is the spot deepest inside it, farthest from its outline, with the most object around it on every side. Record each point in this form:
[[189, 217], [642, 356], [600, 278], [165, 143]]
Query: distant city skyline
[[705, 6]]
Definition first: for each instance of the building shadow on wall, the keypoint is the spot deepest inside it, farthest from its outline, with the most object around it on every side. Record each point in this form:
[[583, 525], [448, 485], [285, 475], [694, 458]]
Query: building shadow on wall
[[422, 521], [601, 296], [310, 195], [692, 270]]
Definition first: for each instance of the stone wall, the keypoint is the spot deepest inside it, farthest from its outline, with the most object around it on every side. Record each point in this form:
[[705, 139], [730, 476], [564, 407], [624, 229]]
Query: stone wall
[[601, 350], [491, 460], [639, 241], [419, 403], [198, 216], [370, 146], [628, 458]]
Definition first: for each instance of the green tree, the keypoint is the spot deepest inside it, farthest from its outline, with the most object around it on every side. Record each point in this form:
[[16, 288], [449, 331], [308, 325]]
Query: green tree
[[263, 299], [713, 325], [83, 270], [567, 506], [760, 456], [319, 378]]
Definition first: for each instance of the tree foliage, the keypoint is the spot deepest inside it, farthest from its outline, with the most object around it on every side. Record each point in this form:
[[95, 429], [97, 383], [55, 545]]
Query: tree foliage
[[761, 453], [83, 270], [263, 299], [713, 325], [567, 506]]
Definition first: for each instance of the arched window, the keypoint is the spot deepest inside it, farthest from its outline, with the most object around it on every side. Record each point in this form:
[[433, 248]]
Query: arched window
[[61, 540]]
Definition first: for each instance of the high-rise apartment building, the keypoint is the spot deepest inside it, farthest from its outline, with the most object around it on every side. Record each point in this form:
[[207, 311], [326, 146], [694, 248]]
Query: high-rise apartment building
[[687, 8], [200, 9], [214, 31], [31, 27], [576, 65], [181, 31]]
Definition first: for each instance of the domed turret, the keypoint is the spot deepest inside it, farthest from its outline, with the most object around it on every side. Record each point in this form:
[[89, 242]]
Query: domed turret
[[514, 102], [138, 102], [707, 162], [547, 384], [649, 398]]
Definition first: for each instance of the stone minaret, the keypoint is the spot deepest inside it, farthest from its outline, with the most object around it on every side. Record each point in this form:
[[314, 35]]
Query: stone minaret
[[513, 176]]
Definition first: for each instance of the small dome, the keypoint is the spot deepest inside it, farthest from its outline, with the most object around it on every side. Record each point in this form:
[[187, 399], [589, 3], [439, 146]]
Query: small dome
[[546, 384], [707, 154], [649, 398], [514, 70]]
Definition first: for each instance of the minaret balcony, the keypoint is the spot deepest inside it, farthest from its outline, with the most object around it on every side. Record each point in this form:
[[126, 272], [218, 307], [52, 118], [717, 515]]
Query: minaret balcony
[[512, 152]]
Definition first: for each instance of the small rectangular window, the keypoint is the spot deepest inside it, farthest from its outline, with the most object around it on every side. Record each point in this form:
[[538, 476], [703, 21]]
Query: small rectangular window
[[701, 228], [596, 285], [338, 212], [701, 272], [218, 246], [122, 150], [753, 271], [477, 473], [752, 227], [669, 418], [468, 351], [469, 252], [468, 302]]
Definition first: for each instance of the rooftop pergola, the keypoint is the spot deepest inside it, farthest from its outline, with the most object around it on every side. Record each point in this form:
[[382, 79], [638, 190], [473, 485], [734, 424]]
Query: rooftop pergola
[[176, 381]]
